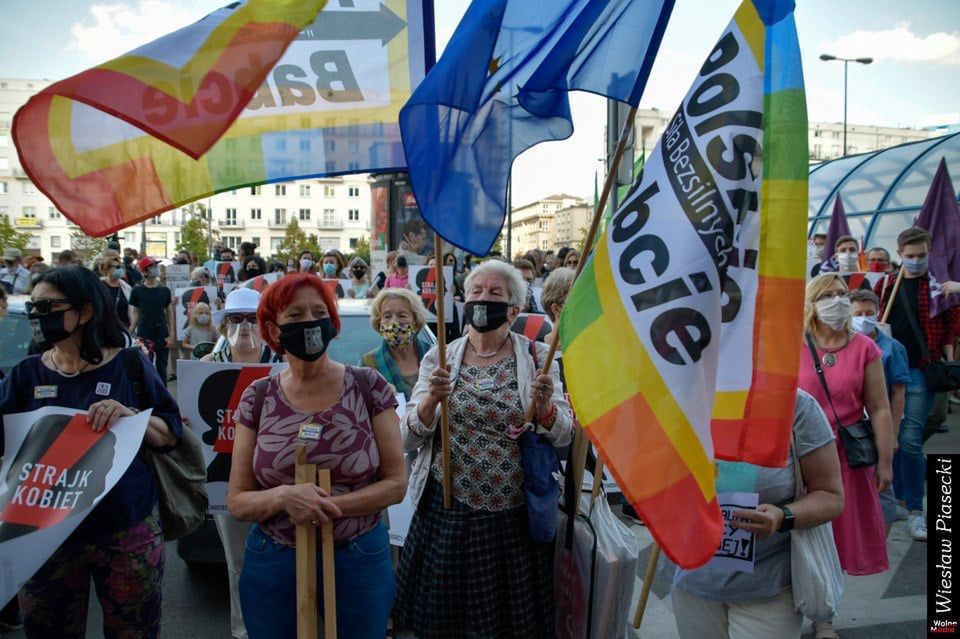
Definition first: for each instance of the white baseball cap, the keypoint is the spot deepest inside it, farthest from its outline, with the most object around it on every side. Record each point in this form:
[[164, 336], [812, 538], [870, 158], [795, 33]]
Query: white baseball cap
[[240, 300]]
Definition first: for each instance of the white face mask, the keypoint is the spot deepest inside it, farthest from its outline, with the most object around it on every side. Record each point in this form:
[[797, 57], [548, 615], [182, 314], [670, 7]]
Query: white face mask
[[203, 319], [865, 324], [848, 261], [834, 312]]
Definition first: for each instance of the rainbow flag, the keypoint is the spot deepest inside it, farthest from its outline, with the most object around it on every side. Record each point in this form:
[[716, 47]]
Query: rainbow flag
[[184, 90], [681, 338]]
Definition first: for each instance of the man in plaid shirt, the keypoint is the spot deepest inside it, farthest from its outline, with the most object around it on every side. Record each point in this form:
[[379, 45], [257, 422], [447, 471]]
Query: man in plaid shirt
[[937, 334]]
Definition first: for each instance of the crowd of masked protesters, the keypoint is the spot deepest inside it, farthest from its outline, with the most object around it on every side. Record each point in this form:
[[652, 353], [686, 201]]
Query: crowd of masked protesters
[[474, 569]]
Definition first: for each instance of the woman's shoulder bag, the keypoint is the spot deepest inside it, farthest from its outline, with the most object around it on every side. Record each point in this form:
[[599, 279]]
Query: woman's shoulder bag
[[181, 474]]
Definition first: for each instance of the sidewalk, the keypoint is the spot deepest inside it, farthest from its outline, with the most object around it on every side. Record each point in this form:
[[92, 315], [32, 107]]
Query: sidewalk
[[890, 605]]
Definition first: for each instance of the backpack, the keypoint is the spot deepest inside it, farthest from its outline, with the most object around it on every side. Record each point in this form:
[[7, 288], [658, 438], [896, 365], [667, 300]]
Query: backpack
[[181, 474]]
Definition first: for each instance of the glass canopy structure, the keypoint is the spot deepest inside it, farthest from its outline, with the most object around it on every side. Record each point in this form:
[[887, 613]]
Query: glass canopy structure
[[883, 191]]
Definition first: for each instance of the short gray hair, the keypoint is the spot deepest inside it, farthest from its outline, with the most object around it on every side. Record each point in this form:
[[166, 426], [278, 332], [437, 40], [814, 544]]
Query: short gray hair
[[516, 286], [556, 288], [408, 296]]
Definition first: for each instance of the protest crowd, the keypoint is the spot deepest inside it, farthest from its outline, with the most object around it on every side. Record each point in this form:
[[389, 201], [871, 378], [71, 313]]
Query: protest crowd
[[853, 367], [474, 456]]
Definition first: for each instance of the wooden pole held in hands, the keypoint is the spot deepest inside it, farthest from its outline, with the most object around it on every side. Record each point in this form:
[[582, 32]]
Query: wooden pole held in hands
[[306, 539], [442, 351], [329, 574], [647, 582], [893, 295]]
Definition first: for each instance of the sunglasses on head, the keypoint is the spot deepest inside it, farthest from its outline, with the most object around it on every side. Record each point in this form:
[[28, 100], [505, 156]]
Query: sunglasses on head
[[241, 318], [44, 306]]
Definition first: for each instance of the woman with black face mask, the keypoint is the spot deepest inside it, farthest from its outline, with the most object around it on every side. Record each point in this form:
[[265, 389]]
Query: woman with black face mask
[[359, 442], [491, 379], [360, 285], [119, 544]]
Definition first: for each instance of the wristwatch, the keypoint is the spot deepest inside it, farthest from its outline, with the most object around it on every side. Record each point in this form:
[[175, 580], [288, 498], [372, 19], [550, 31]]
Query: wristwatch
[[788, 520]]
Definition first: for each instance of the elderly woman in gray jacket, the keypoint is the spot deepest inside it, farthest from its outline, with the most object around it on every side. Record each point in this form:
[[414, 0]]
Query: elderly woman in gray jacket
[[473, 570]]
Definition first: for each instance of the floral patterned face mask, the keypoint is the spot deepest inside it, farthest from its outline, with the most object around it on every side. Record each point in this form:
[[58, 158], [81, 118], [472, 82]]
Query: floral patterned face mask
[[398, 335]]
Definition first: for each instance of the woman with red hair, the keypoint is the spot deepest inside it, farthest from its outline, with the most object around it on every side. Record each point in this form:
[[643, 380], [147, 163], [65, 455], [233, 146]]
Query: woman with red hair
[[359, 442]]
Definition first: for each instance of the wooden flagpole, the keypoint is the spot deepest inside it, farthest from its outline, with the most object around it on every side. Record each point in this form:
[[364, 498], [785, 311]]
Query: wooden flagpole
[[442, 351], [306, 555], [893, 295], [647, 582], [329, 574]]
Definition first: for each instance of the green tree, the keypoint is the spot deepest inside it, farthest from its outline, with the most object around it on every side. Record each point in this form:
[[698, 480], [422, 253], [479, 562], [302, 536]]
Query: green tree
[[294, 241], [86, 247], [195, 234], [10, 237], [362, 249]]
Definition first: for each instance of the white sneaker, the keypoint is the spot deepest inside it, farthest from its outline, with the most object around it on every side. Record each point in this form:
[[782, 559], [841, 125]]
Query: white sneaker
[[917, 526]]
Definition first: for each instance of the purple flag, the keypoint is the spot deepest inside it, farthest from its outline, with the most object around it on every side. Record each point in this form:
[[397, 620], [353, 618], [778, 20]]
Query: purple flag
[[837, 229], [940, 216]]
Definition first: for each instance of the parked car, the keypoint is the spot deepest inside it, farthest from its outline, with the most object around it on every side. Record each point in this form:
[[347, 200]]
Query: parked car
[[15, 333], [356, 338]]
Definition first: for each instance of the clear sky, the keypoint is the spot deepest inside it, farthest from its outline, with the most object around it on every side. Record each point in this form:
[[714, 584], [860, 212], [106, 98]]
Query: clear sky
[[914, 81]]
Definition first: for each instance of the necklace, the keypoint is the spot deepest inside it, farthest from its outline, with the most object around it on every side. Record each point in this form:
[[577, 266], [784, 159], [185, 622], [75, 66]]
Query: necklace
[[53, 360], [488, 355]]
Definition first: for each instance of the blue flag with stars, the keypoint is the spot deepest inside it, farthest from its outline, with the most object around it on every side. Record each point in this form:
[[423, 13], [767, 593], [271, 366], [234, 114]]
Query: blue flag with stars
[[501, 86]]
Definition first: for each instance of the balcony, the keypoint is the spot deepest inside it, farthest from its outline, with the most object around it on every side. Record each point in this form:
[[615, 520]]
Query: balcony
[[27, 222], [230, 224], [274, 223], [330, 225]]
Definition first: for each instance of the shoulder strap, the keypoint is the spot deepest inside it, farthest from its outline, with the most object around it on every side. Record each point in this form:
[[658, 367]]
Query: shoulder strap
[[364, 382], [134, 366], [823, 379], [260, 390]]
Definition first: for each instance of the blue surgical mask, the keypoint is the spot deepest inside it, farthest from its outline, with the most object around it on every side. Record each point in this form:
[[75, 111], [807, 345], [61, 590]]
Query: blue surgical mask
[[329, 269], [916, 266], [865, 324], [118, 273]]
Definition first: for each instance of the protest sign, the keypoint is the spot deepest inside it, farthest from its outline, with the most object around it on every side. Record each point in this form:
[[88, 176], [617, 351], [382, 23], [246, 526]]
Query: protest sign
[[208, 394], [185, 299], [261, 282], [177, 276], [55, 471], [423, 282], [400, 515], [222, 272]]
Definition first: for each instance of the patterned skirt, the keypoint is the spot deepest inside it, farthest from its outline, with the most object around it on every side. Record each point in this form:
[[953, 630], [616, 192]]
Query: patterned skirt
[[469, 573]]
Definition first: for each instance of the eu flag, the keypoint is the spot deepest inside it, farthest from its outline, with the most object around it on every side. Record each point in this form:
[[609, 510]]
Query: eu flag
[[501, 86]]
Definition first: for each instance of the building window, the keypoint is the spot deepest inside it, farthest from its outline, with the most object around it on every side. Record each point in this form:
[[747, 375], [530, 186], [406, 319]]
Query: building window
[[304, 215], [4, 164], [329, 217], [329, 146], [818, 150], [3, 188], [353, 146], [330, 167], [353, 215], [280, 189], [29, 188], [305, 146], [353, 166], [129, 237], [353, 242], [304, 190], [30, 212], [54, 213], [836, 135], [55, 242], [255, 214], [329, 190], [156, 221], [256, 241], [353, 191], [275, 243], [4, 211], [254, 190], [280, 217], [818, 133], [231, 219], [4, 140]]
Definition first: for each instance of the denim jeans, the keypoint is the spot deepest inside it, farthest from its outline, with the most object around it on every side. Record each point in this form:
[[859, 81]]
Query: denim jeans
[[365, 586], [909, 468]]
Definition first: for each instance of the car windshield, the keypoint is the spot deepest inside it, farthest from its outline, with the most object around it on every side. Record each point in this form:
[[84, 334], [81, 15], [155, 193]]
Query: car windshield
[[15, 336]]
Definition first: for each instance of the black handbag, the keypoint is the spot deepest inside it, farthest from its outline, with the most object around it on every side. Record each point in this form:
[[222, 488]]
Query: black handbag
[[858, 441], [941, 376]]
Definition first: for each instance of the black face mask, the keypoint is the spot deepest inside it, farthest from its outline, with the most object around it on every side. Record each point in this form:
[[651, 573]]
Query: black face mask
[[252, 272], [486, 316], [128, 260], [48, 329], [359, 273], [183, 262], [195, 283], [307, 340]]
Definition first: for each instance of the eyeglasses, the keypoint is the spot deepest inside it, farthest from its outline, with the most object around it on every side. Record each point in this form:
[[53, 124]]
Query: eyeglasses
[[826, 296], [240, 318], [43, 306]]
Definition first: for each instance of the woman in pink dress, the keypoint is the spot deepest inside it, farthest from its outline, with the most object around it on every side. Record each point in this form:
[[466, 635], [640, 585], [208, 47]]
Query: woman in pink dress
[[853, 372]]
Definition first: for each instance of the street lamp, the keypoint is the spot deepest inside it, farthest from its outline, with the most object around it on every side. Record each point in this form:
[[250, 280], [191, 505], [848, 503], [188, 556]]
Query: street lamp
[[826, 57]]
